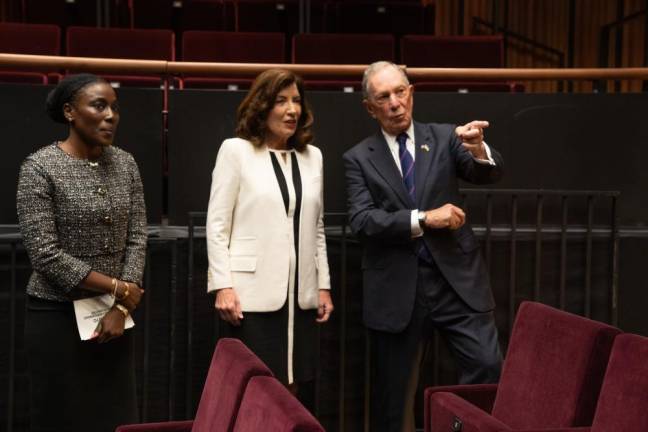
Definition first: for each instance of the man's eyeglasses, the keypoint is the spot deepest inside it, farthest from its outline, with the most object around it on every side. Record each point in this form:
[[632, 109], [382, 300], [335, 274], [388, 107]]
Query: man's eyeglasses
[[401, 93]]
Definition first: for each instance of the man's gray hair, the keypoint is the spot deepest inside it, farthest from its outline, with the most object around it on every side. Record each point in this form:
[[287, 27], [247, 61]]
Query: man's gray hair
[[375, 67]]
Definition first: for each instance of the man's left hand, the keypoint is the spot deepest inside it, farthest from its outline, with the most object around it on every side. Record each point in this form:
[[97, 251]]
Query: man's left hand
[[472, 138]]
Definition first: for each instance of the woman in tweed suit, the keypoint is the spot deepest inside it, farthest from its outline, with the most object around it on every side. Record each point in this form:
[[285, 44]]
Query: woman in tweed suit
[[83, 221]]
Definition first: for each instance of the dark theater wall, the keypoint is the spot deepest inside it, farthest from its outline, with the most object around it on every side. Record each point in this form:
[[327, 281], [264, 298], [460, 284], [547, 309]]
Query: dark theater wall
[[552, 141], [25, 128]]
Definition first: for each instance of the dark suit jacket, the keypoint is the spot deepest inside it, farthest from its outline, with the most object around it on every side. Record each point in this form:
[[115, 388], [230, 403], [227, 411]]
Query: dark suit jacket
[[380, 215]]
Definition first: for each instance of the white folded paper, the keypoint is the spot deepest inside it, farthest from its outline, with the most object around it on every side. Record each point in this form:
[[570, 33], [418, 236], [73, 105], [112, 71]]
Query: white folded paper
[[89, 312]]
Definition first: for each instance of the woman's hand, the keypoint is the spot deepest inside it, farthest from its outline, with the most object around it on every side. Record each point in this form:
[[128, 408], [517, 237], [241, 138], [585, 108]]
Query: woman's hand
[[228, 306], [111, 325], [133, 298], [325, 307]]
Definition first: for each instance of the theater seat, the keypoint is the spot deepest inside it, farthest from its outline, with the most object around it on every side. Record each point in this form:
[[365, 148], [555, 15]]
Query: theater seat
[[424, 51], [36, 39], [624, 395], [64, 13], [268, 406], [232, 366], [202, 15], [280, 16], [230, 47], [120, 43], [551, 378], [314, 48], [394, 17]]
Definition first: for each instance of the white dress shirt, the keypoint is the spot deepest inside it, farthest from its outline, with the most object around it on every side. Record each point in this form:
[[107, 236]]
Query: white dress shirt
[[417, 231]]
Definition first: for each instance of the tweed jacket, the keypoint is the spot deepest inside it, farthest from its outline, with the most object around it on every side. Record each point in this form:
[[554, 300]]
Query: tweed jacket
[[76, 216]]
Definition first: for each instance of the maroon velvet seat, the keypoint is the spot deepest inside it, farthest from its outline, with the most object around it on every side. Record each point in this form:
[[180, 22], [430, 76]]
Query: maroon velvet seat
[[151, 14], [203, 15], [623, 402], [37, 39], [61, 12], [551, 377], [232, 366], [456, 52], [121, 43], [230, 47], [364, 16], [315, 48], [624, 396], [281, 16], [268, 406]]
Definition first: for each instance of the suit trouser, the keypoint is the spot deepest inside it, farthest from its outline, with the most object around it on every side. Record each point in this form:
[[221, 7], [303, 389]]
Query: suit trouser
[[471, 336]]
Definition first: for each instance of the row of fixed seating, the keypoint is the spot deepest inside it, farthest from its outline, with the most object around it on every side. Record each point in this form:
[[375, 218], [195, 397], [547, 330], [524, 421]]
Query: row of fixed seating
[[335, 16], [562, 373], [244, 47], [240, 395]]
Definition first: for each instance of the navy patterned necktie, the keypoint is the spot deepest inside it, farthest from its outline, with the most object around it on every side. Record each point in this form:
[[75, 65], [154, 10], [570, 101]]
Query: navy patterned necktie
[[407, 165]]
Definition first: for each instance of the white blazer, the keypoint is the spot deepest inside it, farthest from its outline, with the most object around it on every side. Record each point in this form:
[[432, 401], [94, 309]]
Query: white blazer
[[247, 229]]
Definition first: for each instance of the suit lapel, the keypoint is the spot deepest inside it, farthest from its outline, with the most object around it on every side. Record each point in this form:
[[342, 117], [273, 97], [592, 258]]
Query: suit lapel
[[425, 150], [382, 159]]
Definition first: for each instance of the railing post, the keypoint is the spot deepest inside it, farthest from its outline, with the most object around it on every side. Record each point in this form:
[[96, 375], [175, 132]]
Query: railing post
[[604, 44]]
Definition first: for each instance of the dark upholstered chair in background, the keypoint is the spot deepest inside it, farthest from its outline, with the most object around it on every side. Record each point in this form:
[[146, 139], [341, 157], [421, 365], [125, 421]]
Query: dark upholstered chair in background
[[232, 366], [269, 406], [551, 378], [321, 48], [230, 47], [36, 39], [120, 43], [456, 52]]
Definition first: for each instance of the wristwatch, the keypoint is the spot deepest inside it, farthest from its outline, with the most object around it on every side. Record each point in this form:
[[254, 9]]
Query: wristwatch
[[421, 219]]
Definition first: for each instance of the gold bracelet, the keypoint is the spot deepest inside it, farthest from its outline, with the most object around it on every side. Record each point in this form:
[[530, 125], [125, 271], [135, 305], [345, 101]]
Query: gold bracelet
[[126, 291], [113, 284], [122, 309]]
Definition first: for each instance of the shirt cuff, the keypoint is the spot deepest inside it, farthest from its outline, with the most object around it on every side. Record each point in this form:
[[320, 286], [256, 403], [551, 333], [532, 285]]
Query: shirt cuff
[[417, 231], [489, 160]]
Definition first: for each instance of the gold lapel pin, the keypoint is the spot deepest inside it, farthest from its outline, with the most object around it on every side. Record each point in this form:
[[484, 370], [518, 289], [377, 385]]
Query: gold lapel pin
[[425, 147]]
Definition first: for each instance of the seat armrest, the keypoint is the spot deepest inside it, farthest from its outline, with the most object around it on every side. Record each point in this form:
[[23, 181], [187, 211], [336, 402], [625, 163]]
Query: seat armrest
[[447, 409], [172, 426], [479, 395]]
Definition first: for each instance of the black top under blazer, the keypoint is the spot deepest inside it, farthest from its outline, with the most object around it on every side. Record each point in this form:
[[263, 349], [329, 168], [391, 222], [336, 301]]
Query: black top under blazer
[[380, 214]]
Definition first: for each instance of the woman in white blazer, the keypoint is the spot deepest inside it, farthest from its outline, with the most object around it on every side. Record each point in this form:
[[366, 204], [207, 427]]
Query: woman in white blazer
[[265, 231]]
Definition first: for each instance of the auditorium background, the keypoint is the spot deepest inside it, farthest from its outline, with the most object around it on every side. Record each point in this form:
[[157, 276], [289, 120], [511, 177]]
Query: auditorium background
[[567, 226]]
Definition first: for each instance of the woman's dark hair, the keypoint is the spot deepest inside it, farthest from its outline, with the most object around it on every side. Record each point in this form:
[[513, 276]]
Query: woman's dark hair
[[252, 113], [65, 92]]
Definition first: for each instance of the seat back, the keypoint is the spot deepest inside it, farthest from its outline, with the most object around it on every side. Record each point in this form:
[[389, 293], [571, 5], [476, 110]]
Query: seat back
[[553, 369], [232, 366], [268, 406], [394, 17], [624, 395], [452, 51], [37, 39], [141, 44], [233, 47], [319, 48]]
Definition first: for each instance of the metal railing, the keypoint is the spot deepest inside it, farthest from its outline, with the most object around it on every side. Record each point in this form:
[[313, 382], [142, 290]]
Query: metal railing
[[175, 337]]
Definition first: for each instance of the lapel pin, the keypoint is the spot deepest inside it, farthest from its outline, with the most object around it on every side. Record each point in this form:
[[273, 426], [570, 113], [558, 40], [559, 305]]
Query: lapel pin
[[425, 147]]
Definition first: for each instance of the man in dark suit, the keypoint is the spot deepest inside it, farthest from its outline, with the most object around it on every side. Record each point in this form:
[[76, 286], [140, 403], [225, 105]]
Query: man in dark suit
[[422, 268]]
